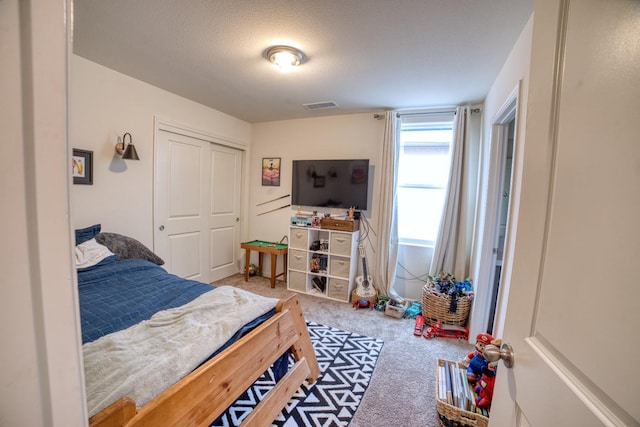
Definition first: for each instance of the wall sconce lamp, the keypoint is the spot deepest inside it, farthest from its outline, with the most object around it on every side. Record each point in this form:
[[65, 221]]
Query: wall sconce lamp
[[127, 151]]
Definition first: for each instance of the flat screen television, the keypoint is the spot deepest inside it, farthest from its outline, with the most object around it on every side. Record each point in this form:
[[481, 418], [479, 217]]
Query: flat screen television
[[330, 183]]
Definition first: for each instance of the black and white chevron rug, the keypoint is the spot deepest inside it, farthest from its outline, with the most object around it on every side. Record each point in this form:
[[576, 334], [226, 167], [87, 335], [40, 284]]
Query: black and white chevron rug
[[346, 360]]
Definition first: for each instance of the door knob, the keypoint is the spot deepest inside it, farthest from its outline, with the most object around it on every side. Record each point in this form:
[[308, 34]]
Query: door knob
[[161, 228], [505, 352]]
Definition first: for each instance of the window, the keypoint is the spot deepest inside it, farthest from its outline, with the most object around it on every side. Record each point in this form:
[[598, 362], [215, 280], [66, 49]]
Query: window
[[423, 172]]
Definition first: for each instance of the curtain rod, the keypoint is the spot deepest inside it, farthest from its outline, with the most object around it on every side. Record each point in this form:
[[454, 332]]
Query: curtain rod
[[427, 113]]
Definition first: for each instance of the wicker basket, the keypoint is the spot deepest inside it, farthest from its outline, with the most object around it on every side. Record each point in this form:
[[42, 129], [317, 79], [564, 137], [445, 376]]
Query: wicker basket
[[435, 306], [451, 416]]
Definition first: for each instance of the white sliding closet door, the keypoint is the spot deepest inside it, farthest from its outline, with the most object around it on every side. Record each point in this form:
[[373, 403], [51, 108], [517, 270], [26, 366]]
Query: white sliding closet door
[[224, 215], [181, 220], [197, 206]]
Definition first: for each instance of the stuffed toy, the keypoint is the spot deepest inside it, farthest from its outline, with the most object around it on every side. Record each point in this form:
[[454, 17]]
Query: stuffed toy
[[484, 389], [475, 360]]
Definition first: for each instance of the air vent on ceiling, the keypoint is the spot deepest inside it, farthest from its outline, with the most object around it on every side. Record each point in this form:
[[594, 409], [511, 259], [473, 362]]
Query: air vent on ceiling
[[320, 105]]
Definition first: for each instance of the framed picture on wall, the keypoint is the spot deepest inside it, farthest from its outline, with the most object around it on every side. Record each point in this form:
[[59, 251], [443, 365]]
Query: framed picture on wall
[[82, 166], [271, 171]]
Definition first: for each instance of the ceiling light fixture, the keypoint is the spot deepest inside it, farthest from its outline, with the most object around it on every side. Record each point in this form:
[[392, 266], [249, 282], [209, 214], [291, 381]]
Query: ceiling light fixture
[[285, 57]]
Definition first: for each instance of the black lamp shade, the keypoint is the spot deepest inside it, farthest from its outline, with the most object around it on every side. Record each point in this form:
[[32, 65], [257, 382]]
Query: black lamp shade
[[130, 153]]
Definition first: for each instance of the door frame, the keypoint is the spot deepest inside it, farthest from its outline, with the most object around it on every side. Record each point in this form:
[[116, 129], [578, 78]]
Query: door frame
[[167, 125], [160, 123], [489, 227]]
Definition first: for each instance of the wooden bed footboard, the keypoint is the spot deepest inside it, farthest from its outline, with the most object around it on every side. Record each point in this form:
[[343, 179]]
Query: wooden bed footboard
[[208, 391]]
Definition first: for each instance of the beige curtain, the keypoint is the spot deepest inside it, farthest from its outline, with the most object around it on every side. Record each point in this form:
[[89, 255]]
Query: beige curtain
[[387, 255], [454, 243]]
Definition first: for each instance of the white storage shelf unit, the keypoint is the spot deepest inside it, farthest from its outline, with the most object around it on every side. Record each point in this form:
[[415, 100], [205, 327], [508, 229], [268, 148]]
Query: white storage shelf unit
[[322, 258]]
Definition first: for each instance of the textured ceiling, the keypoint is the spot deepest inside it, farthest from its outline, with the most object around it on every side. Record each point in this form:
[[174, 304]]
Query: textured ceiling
[[366, 55]]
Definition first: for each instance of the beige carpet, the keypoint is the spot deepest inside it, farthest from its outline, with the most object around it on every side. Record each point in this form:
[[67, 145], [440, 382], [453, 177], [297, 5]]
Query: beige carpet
[[402, 390]]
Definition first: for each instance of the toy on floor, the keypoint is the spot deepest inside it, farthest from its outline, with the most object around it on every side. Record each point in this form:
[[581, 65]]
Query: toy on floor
[[475, 361], [446, 331], [413, 311], [417, 330], [381, 305], [484, 389], [363, 303], [253, 270]]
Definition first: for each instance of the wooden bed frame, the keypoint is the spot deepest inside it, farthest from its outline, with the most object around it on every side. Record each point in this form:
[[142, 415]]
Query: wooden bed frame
[[200, 397]]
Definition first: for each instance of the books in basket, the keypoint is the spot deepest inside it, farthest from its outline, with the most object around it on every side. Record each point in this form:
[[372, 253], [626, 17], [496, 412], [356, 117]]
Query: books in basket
[[454, 388]]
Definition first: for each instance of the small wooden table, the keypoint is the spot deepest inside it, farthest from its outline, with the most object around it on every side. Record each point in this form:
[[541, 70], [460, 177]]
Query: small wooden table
[[274, 249]]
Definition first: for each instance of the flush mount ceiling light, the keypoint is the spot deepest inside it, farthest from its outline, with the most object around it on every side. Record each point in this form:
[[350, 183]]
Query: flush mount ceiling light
[[285, 57]]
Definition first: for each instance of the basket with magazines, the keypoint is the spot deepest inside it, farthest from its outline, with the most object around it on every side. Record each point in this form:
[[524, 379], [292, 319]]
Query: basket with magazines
[[455, 398]]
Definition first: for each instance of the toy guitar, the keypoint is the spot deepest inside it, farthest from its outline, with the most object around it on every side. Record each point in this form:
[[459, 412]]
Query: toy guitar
[[365, 282]]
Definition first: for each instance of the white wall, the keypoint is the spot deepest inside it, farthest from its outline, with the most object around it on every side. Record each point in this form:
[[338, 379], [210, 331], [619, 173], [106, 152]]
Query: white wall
[[514, 73], [336, 137], [104, 105], [413, 269], [41, 378]]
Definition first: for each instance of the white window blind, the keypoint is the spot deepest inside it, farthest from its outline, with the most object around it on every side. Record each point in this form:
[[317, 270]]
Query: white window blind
[[423, 171]]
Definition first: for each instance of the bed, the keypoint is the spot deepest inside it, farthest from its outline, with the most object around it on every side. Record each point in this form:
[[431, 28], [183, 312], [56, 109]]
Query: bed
[[161, 350]]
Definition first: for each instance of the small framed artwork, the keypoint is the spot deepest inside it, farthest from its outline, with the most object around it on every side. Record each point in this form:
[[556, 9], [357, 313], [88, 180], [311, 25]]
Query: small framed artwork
[[271, 171], [82, 166]]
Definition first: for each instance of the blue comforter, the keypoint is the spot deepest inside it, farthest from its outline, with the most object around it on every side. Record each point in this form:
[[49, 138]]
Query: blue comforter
[[118, 295]]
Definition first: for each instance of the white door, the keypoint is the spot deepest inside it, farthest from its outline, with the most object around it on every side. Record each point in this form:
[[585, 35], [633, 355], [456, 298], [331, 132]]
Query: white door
[[572, 315], [181, 219], [224, 215]]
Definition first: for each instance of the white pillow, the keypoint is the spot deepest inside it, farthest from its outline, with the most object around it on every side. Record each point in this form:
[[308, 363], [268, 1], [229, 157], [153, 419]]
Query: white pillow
[[90, 253]]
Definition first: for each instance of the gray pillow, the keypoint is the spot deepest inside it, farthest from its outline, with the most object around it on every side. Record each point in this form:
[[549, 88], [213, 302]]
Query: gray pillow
[[127, 247]]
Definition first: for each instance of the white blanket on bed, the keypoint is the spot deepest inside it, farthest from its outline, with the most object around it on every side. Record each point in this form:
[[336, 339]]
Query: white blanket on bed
[[145, 359]]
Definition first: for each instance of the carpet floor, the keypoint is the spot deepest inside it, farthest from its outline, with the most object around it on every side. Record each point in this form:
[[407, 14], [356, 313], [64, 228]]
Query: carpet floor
[[402, 388]]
